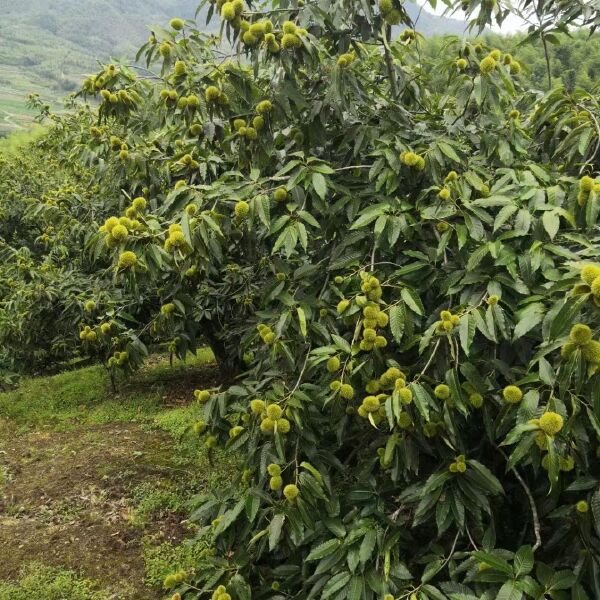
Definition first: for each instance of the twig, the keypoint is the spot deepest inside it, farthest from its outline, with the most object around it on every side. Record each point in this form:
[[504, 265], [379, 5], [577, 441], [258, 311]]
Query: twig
[[451, 553], [350, 167], [437, 345], [534, 512], [597, 126], [446, 561], [386, 34], [464, 112], [301, 374], [471, 539], [538, 12]]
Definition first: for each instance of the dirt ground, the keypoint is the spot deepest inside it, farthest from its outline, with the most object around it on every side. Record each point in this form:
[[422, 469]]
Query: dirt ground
[[67, 502]]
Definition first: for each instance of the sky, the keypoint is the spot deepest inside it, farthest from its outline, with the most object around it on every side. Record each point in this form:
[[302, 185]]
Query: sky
[[511, 25]]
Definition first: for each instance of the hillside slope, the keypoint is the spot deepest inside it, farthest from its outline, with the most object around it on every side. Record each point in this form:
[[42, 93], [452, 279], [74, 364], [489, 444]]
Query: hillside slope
[[46, 46]]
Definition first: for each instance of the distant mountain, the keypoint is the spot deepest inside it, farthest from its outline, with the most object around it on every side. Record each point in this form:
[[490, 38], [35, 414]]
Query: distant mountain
[[428, 24], [47, 46]]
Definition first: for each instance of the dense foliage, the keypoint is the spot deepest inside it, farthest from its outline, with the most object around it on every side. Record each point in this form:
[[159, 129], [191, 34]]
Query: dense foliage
[[573, 59], [397, 268], [44, 276]]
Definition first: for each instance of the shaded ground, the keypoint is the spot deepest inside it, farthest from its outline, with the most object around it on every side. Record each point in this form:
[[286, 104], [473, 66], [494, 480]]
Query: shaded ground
[[88, 487]]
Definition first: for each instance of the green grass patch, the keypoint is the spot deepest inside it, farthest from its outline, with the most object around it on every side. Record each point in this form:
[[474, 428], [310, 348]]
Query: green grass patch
[[169, 558], [175, 466], [85, 395], [14, 142], [151, 501], [37, 582]]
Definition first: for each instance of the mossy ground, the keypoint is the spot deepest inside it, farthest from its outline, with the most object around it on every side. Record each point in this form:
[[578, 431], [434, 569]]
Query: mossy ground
[[94, 484]]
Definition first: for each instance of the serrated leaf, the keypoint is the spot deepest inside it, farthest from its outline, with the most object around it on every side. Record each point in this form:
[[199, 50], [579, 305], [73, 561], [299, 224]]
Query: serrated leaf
[[396, 316], [551, 223], [367, 546], [336, 583], [275, 527], [228, 518], [531, 316], [301, 320], [523, 562], [357, 587], [323, 550], [494, 561], [595, 504], [504, 214], [319, 185], [423, 401], [509, 591], [412, 300], [466, 332]]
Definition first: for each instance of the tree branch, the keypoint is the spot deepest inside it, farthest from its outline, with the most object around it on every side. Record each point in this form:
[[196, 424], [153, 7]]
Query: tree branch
[[534, 512]]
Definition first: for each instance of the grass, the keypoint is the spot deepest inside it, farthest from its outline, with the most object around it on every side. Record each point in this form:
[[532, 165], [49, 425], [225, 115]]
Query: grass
[[169, 558], [151, 501], [95, 484], [37, 582], [11, 144], [84, 396]]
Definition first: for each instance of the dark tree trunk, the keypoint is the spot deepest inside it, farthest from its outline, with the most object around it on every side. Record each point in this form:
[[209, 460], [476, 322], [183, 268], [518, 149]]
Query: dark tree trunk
[[228, 361]]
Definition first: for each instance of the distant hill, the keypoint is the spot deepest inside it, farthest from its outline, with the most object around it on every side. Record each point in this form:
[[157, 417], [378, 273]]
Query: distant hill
[[428, 24], [47, 46]]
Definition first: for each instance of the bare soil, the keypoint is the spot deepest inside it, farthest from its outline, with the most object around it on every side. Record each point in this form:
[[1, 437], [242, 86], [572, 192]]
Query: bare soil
[[67, 502]]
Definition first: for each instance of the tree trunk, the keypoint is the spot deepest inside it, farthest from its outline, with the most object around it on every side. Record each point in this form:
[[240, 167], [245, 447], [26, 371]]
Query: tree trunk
[[229, 363]]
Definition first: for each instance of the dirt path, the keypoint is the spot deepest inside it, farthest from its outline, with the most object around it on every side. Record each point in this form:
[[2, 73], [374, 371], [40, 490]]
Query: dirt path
[[67, 502]]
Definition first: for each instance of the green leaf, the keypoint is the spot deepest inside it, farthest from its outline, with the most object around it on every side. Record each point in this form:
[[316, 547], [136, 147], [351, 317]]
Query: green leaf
[[306, 216], [595, 504], [275, 527], [423, 401], [241, 588], [531, 316], [341, 343], [477, 256], [357, 588], [320, 185], [565, 316], [323, 550], [546, 372], [431, 570], [301, 320], [578, 593], [369, 215], [485, 478], [562, 580], [522, 449], [336, 583], [504, 214], [228, 518], [496, 562], [367, 546], [412, 300], [551, 223], [509, 591], [263, 209], [553, 464], [466, 332], [523, 562], [448, 151], [397, 322]]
